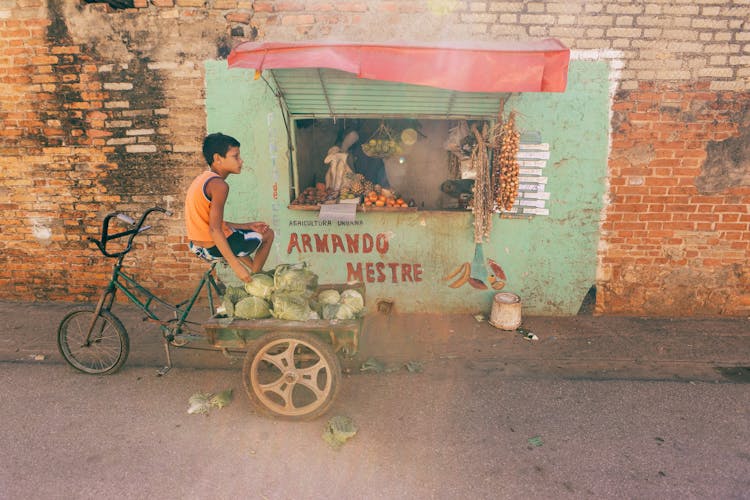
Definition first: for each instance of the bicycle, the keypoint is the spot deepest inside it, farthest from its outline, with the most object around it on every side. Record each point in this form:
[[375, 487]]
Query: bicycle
[[290, 371], [94, 340]]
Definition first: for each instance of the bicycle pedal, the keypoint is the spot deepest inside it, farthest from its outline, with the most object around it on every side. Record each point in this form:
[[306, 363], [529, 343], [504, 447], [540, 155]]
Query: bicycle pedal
[[182, 339]]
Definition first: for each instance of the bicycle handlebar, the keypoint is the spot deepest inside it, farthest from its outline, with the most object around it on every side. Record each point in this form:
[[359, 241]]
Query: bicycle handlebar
[[139, 228]]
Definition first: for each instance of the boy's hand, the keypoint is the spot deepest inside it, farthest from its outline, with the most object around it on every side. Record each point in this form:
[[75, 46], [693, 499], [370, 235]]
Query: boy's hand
[[260, 227], [243, 273]]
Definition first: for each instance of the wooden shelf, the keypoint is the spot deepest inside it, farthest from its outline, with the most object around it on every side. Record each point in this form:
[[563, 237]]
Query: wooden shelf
[[360, 208]]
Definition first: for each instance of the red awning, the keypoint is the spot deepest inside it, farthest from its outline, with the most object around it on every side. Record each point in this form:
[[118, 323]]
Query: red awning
[[537, 66]]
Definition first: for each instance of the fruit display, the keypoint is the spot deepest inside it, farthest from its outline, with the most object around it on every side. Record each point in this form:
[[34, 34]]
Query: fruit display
[[354, 186], [505, 164], [316, 196], [384, 198], [363, 191]]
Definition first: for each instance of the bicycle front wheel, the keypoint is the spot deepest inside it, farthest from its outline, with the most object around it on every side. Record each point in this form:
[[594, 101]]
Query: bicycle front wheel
[[102, 352]]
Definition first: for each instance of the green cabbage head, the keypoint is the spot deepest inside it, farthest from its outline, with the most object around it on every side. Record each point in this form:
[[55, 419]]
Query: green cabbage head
[[354, 300], [290, 306], [260, 286], [329, 297], [252, 308]]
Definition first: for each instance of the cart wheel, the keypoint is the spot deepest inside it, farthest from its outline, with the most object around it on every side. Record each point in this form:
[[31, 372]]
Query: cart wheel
[[293, 376], [106, 350]]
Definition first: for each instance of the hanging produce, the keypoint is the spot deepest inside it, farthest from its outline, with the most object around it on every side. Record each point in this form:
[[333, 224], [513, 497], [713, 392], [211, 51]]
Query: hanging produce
[[383, 143], [505, 167], [483, 204]]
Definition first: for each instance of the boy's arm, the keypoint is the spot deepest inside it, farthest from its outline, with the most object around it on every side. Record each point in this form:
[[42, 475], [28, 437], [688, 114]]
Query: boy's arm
[[218, 191], [260, 227]]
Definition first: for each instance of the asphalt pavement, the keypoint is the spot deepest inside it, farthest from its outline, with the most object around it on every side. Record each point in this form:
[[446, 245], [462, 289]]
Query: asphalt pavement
[[576, 347]]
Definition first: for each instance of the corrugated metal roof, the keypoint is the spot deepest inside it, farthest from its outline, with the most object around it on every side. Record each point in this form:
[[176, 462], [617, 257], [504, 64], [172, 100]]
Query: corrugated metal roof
[[319, 92]]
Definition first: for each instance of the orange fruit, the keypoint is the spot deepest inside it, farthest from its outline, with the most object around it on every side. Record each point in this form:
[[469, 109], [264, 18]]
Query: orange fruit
[[379, 203]]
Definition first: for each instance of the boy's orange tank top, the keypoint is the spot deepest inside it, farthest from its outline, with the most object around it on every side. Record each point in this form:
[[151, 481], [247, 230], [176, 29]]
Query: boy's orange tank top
[[197, 208]]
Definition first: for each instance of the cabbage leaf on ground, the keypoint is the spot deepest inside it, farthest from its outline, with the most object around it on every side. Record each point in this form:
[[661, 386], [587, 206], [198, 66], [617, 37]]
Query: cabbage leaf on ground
[[339, 430]]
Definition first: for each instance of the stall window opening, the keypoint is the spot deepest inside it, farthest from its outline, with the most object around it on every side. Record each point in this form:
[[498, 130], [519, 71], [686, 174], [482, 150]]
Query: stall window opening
[[407, 159]]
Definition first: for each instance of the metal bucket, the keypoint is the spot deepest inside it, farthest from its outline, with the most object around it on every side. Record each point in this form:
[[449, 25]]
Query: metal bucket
[[506, 311]]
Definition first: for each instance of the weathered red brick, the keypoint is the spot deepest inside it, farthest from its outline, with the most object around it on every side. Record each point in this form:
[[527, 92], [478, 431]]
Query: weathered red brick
[[289, 6], [353, 6], [263, 6], [98, 133], [294, 20], [239, 17]]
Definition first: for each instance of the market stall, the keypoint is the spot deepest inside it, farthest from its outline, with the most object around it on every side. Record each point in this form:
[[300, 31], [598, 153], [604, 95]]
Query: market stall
[[410, 110], [499, 163]]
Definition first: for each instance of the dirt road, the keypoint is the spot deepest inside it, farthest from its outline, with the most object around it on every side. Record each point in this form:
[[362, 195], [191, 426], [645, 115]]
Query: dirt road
[[597, 407], [455, 430]]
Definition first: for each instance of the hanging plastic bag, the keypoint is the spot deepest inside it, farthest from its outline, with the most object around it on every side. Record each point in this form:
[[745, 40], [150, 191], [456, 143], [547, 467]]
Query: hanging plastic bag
[[456, 136]]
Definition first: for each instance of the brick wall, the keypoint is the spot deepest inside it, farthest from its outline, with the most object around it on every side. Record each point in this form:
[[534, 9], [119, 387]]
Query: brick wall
[[675, 237], [98, 109]]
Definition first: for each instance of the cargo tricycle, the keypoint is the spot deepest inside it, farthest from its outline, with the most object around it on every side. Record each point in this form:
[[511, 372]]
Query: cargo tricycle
[[291, 369]]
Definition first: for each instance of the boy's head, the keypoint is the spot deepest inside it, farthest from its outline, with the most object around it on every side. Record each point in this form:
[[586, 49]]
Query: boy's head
[[218, 143]]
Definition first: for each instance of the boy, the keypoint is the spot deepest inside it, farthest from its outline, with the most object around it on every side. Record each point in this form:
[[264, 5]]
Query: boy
[[211, 237]]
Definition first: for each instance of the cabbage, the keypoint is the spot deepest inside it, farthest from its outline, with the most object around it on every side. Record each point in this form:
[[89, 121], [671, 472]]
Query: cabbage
[[228, 307], [329, 297], [328, 311], [290, 306], [337, 311], [354, 300], [226, 275], [345, 312], [295, 278], [234, 294], [260, 286], [251, 308]]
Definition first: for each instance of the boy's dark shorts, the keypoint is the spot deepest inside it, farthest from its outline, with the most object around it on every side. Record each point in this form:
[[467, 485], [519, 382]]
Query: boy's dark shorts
[[243, 242]]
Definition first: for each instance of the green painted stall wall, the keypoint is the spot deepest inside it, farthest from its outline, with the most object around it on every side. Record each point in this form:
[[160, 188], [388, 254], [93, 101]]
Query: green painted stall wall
[[550, 261]]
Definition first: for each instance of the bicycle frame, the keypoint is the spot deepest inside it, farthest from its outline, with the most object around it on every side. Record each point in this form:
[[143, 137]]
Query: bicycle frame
[[133, 290]]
